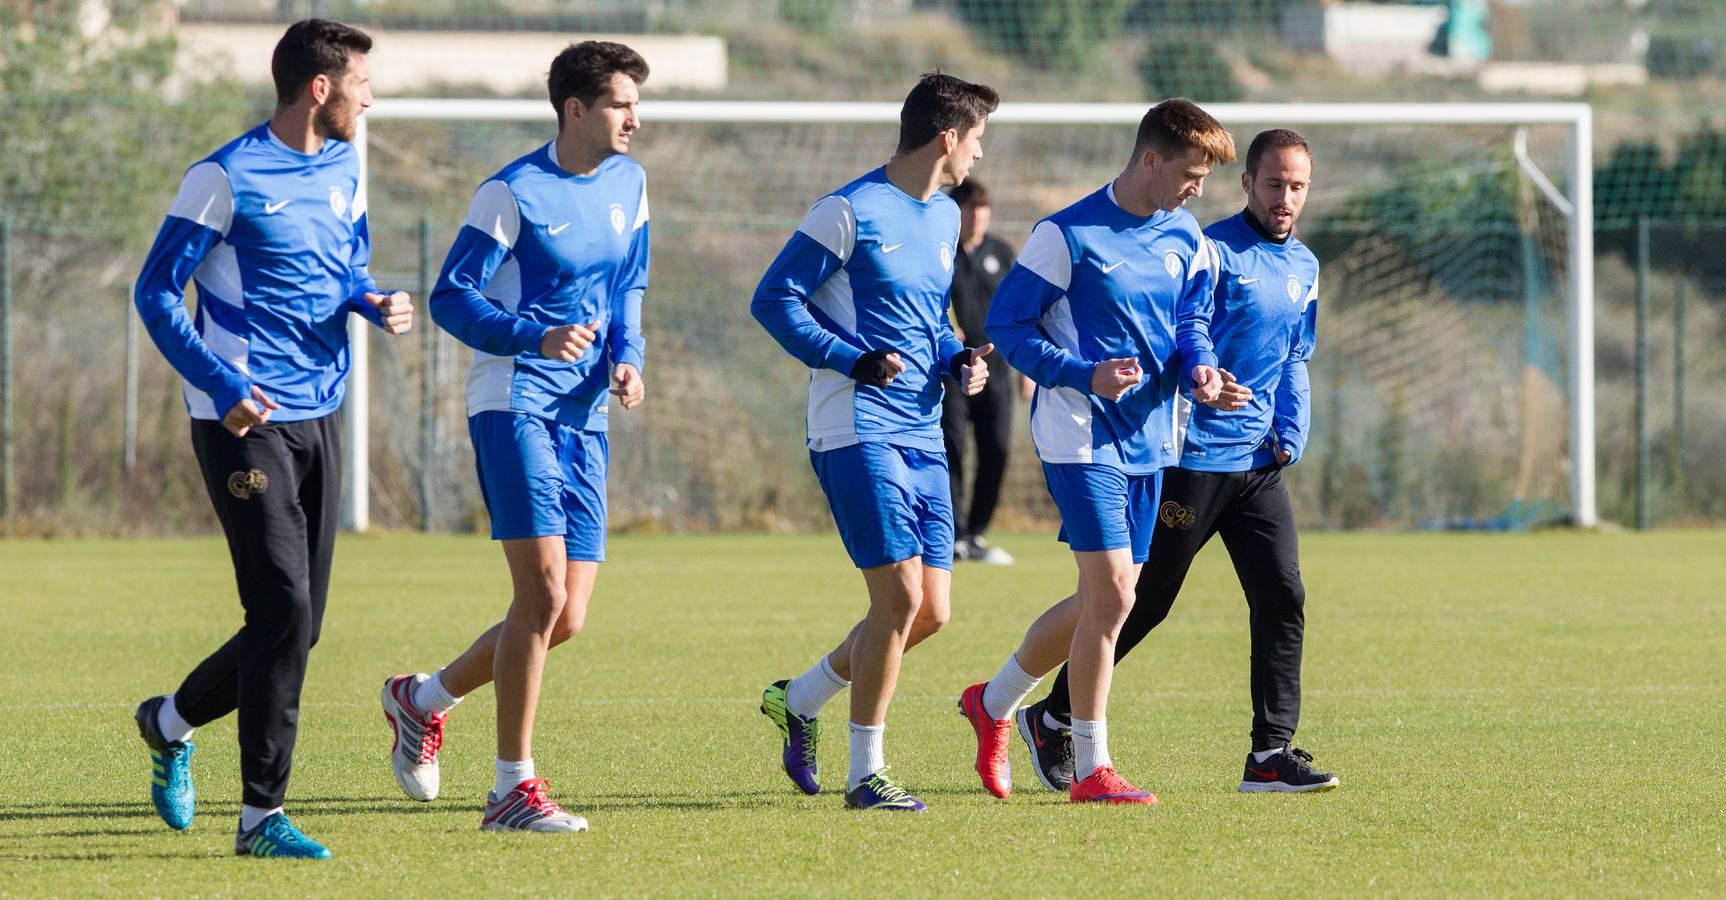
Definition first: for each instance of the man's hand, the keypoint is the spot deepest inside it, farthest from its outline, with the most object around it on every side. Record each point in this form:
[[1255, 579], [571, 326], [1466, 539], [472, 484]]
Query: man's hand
[[1027, 388], [1217, 389], [567, 342], [627, 386], [972, 372], [396, 310], [1283, 456], [251, 411], [1114, 377], [878, 368]]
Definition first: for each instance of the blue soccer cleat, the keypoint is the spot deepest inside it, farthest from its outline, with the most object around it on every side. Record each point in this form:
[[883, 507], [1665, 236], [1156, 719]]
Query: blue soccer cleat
[[800, 737], [171, 789], [277, 838], [879, 792]]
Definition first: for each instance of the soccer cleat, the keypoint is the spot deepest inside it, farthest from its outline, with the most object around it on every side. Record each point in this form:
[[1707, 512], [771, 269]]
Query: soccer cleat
[[1051, 749], [993, 736], [171, 789], [528, 808], [800, 737], [879, 792], [1287, 772], [277, 838], [418, 737], [1107, 786]]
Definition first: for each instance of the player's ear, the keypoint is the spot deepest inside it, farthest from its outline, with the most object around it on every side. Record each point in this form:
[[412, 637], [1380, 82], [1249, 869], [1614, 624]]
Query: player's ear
[[573, 109], [1148, 159], [1247, 181], [320, 87], [949, 140]]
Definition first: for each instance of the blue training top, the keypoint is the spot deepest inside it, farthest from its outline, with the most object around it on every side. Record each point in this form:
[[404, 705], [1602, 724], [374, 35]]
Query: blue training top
[[871, 267], [543, 248], [1260, 323], [276, 241]]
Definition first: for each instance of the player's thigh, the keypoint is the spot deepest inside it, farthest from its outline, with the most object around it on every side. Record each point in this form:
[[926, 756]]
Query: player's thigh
[[1106, 582], [873, 500], [252, 485], [937, 606], [584, 459], [579, 578], [537, 568], [520, 478]]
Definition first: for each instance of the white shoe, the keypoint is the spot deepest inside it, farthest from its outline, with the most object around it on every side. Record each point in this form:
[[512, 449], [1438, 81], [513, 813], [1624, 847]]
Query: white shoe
[[989, 554], [418, 737], [528, 808]]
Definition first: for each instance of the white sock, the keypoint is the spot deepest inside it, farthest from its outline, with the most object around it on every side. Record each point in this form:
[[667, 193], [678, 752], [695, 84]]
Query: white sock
[[807, 693], [432, 697], [169, 723], [250, 816], [1260, 756], [1090, 747], [1008, 689], [1049, 721], [867, 756], [510, 774]]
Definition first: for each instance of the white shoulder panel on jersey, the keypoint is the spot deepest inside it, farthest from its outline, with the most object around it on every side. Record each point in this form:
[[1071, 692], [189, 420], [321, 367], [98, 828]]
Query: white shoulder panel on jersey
[[495, 213], [358, 207], [1047, 254], [1312, 294], [641, 210], [206, 197], [832, 223], [1207, 258]]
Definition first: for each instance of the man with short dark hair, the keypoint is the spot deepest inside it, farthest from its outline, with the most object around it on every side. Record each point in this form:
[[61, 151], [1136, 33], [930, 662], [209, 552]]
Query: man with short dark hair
[[1262, 318], [859, 295], [272, 228], [545, 282], [978, 267]]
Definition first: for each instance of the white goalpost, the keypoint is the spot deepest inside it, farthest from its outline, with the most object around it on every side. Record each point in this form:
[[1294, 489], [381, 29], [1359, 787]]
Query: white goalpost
[[1573, 204]]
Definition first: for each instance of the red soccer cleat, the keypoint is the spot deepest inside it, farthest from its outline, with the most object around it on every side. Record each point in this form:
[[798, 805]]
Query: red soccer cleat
[[993, 735], [1107, 786]]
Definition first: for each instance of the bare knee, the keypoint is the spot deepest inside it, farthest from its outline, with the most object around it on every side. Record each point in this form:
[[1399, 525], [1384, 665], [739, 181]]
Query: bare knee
[[539, 607]]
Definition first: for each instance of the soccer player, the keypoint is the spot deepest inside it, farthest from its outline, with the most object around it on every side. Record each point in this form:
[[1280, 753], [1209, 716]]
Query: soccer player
[[545, 282], [272, 228], [978, 268], [1261, 319], [859, 295], [1088, 312]]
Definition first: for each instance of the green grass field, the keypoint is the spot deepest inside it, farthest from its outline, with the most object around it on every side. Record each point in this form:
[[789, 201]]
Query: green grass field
[[1510, 714]]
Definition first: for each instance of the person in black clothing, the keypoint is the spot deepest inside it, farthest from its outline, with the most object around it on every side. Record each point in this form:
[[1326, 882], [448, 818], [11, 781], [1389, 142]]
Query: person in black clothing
[[978, 267]]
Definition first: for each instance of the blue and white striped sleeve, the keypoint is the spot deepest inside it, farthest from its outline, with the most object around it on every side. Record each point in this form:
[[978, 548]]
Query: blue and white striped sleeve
[[199, 219], [458, 303], [623, 335], [1037, 281], [1291, 421], [818, 248], [1195, 309]]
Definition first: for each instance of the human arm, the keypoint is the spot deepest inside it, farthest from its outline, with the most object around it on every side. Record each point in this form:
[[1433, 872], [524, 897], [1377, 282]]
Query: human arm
[[820, 247], [1291, 421], [458, 303]]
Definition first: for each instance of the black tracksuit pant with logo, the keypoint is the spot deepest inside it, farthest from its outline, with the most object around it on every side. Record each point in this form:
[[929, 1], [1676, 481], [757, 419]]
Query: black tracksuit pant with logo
[[1252, 512], [277, 492]]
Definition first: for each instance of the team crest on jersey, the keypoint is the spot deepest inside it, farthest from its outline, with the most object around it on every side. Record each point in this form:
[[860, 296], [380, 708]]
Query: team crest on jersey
[[617, 217], [338, 201], [946, 257], [1172, 264], [1294, 289]]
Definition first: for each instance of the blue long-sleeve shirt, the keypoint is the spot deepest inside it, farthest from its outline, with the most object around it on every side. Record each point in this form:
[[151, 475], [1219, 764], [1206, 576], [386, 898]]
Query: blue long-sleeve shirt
[[542, 248], [1260, 324], [277, 242], [1093, 283], [870, 268]]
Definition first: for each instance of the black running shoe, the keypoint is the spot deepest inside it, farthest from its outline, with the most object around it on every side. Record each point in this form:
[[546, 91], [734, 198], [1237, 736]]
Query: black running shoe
[[1051, 749], [1286, 772]]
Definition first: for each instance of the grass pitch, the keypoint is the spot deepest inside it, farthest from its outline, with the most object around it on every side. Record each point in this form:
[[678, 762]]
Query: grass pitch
[[1509, 714]]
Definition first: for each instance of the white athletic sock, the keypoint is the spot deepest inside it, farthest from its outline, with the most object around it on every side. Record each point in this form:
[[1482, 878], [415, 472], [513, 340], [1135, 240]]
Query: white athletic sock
[[432, 697], [250, 816], [510, 774], [1090, 747], [1049, 721], [807, 693], [1260, 756], [867, 756], [169, 723], [1008, 688]]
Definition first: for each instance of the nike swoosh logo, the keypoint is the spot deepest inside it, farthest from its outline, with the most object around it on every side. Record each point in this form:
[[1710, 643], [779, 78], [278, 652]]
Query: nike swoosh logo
[[556, 228], [270, 209], [1271, 775], [1108, 269], [1247, 281], [892, 248]]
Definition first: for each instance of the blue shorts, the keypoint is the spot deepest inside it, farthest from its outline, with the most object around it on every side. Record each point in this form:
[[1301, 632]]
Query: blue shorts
[[890, 502], [1104, 508], [542, 479]]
